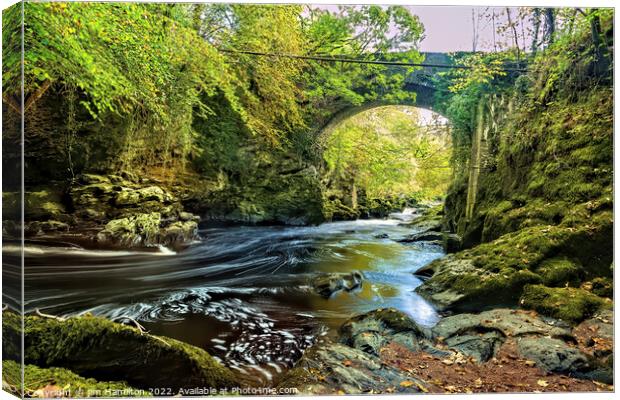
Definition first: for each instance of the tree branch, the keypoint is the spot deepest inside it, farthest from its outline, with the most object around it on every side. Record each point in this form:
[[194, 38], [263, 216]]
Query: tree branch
[[37, 94], [8, 99]]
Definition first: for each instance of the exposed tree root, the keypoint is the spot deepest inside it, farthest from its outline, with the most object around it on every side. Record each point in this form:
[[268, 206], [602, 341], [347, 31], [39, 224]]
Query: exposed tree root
[[40, 314]]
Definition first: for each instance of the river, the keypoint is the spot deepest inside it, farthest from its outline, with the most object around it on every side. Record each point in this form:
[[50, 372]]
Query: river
[[242, 293]]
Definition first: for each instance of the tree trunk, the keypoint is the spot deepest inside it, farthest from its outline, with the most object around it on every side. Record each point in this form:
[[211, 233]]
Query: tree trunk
[[535, 29], [549, 35]]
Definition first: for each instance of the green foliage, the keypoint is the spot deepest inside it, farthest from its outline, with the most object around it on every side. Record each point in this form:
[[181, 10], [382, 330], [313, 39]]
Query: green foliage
[[141, 62], [369, 32], [385, 153]]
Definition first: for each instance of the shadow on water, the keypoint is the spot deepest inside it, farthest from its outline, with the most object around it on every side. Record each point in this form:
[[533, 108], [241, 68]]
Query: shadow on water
[[242, 293]]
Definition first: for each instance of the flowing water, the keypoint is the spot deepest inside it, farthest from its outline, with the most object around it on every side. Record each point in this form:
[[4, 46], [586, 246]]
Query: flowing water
[[242, 293]]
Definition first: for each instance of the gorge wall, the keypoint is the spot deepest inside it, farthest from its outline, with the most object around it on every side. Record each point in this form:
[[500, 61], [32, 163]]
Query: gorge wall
[[532, 198]]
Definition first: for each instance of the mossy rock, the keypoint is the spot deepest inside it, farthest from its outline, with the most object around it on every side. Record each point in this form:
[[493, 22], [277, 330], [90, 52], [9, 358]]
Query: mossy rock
[[603, 287], [560, 271], [568, 304], [98, 348], [139, 229], [61, 382], [38, 205], [459, 285]]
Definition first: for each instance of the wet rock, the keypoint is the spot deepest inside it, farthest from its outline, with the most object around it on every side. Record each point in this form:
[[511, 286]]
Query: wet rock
[[371, 331], [96, 347], [91, 214], [552, 355], [425, 236], [381, 236], [437, 289], [328, 284], [329, 368]]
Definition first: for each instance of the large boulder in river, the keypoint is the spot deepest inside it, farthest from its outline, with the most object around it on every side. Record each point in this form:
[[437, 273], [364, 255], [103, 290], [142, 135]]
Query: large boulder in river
[[136, 230], [99, 348], [329, 283], [146, 230]]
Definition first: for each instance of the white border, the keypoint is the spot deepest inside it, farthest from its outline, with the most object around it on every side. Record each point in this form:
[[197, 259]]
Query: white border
[[548, 3]]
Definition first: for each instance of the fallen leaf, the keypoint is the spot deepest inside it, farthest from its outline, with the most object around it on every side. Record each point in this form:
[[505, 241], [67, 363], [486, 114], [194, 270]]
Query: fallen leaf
[[478, 383], [530, 363], [542, 383], [447, 361], [407, 383], [450, 388]]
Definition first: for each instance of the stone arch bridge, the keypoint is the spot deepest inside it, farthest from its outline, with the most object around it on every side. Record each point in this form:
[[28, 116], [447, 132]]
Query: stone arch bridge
[[421, 81]]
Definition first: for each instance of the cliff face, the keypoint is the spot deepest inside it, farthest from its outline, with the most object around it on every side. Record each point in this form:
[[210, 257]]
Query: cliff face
[[533, 202]]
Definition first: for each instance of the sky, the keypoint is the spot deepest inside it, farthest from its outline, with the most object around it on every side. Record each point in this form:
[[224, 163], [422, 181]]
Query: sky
[[450, 28]]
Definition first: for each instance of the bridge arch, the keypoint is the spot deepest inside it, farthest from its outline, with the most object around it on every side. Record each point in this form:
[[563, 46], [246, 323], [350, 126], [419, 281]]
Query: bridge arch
[[425, 98]]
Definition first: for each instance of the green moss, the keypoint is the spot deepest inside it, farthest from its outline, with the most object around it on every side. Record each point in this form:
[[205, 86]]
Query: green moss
[[568, 304], [559, 272], [11, 336], [92, 346], [56, 382], [503, 287]]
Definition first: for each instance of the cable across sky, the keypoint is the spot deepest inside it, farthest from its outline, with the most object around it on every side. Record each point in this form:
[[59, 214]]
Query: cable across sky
[[358, 61]]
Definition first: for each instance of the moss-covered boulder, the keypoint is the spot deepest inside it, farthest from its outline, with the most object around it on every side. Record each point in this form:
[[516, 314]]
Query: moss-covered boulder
[[572, 305], [494, 274], [98, 348], [147, 229], [61, 382], [139, 229], [458, 284]]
